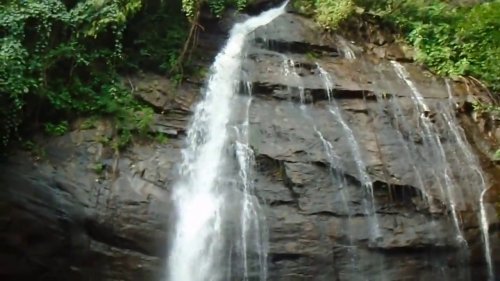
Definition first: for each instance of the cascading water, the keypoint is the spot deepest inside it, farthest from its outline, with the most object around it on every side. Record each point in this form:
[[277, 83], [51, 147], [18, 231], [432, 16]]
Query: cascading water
[[335, 163], [417, 154], [392, 105], [446, 183], [200, 250], [250, 217], [460, 154], [364, 178], [431, 152], [441, 172], [339, 181], [486, 239], [368, 202], [475, 178], [346, 50]]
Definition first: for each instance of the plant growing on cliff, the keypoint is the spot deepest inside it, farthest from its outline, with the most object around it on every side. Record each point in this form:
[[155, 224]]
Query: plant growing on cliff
[[59, 57], [157, 34], [191, 7], [496, 155], [328, 13], [450, 39], [56, 129]]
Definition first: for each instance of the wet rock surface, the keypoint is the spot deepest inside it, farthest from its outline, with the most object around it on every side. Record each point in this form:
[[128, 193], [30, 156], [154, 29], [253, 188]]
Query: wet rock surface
[[85, 212], [63, 220]]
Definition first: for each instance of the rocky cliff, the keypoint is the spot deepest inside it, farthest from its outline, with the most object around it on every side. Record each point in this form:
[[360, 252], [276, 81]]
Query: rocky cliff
[[80, 211]]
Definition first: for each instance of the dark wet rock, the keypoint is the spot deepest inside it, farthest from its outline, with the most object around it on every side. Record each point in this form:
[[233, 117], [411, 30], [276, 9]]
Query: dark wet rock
[[160, 93], [152, 89], [171, 123], [172, 104], [62, 220]]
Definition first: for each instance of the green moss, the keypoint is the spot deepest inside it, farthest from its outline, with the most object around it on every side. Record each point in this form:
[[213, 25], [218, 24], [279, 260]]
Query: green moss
[[56, 129], [496, 155], [89, 123], [312, 56], [98, 168]]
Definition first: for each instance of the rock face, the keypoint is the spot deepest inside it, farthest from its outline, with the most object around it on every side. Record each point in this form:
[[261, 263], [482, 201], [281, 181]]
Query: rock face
[[62, 221], [83, 212]]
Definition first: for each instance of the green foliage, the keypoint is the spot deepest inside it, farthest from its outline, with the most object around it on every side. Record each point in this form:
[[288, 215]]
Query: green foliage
[[306, 7], [450, 39], [217, 7], [161, 138], [158, 34], [496, 155], [328, 13], [142, 120], [56, 129], [98, 168], [61, 58], [28, 145], [89, 123], [312, 55], [491, 109]]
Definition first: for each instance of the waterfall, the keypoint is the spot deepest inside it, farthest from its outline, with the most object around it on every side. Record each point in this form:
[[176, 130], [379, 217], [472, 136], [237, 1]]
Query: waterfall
[[250, 214], [448, 186], [476, 180], [200, 251], [469, 182], [345, 49], [335, 163], [364, 177], [486, 239], [441, 173], [366, 182], [220, 232]]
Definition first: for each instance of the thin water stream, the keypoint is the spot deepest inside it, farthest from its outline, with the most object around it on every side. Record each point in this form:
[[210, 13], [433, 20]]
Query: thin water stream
[[364, 178], [447, 183]]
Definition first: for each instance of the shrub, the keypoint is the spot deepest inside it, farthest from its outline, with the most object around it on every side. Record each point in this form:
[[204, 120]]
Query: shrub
[[61, 58], [328, 13], [450, 39]]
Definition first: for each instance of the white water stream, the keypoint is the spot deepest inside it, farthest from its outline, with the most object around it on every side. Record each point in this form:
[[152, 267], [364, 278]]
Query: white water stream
[[198, 250], [462, 155], [364, 178], [476, 180], [447, 184]]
